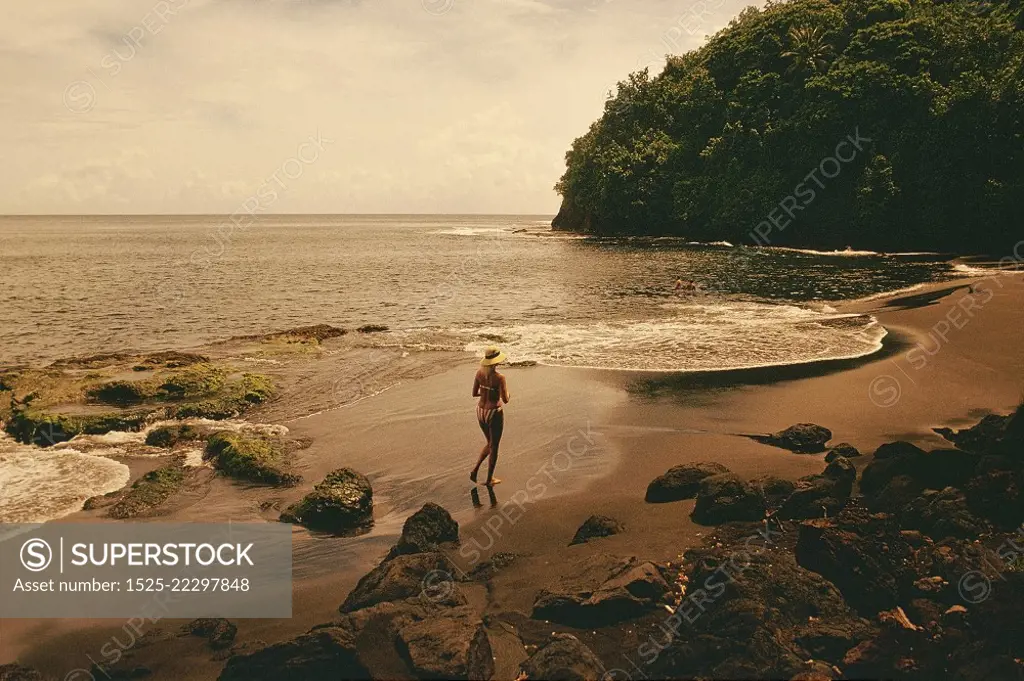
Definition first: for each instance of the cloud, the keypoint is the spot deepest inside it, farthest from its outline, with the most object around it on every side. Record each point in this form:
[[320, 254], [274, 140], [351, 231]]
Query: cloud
[[436, 105]]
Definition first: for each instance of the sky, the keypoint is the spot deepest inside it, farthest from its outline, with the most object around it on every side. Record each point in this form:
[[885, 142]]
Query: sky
[[315, 106]]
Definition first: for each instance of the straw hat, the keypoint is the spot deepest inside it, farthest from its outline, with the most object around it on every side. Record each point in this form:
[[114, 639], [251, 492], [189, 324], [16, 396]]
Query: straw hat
[[492, 356]]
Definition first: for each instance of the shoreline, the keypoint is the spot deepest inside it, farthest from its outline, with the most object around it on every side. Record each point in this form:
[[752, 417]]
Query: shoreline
[[638, 436]]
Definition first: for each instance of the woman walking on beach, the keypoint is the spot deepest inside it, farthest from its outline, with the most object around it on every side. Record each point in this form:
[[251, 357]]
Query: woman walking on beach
[[490, 387]]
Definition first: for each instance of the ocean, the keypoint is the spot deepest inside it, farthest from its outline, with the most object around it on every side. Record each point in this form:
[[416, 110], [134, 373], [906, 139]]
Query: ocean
[[74, 286], [79, 285]]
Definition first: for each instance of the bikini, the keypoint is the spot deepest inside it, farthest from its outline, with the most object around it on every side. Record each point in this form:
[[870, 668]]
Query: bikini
[[486, 414]]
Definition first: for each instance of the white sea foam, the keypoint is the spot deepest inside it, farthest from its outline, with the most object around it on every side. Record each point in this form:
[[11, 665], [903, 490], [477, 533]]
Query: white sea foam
[[118, 443], [474, 231], [849, 253], [41, 484], [46, 484], [889, 294], [701, 337], [963, 270]]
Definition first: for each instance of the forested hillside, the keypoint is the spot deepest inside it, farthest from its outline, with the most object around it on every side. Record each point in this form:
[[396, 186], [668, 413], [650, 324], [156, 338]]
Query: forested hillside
[[743, 139]]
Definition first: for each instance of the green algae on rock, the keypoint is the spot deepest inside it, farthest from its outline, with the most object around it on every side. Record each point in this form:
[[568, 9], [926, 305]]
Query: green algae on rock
[[250, 457], [341, 503]]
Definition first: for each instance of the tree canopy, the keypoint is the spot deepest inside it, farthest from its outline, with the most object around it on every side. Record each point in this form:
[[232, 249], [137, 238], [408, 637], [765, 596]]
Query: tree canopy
[[929, 97]]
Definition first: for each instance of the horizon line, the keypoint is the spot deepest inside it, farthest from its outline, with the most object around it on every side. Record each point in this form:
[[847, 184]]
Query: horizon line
[[186, 215]]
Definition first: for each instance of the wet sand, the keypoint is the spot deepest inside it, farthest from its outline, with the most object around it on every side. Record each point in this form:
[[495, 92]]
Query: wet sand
[[580, 442]]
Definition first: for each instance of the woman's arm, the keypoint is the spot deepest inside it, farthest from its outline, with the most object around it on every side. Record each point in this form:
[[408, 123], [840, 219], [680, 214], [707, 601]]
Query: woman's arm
[[504, 390], [476, 386]]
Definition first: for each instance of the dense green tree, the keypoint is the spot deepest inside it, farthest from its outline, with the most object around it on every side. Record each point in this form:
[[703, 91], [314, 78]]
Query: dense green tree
[[928, 95]]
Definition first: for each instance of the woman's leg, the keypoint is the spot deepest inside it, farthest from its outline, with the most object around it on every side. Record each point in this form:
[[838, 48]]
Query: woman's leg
[[485, 452], [497, 427]]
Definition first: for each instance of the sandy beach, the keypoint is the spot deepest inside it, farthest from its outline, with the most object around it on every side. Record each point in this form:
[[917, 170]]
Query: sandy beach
[[580, 442]]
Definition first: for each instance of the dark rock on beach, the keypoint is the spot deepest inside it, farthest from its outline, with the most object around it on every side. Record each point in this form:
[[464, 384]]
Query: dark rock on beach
[[328, 653], [425, 530], [449, 644], [863, 555], [942, 514], [842, 471], [342, 503], [815, 496], [999, 496], [681, 482], [219, 632], [420, 574], [601, 590], [843, 449], [774, 490], [752, 613], [727, 497], [594, 527], [983, 437], [565, 658], [804, 438], [890, 460], [895, 495], [372, 328]]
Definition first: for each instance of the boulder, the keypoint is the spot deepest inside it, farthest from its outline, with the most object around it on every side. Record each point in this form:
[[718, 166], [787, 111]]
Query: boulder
[[900, 650], [726, 497], [942, 514], [815, 496], [895, 495], [594, 527], [451, 643], [425, 530], [427, 575], [981, 438], [843, 449], [681, 482], [863, 555], [219, 632], [830, 639], [328, 653], [942, 468], [774, 490], [998, 496], [342, 503], [602, 589], [890, 460], [805, 438], [753, 614], [842, 471], [565, 658]]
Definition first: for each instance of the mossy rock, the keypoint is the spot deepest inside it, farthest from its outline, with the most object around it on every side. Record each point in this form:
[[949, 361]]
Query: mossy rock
[[372, 328], [30, 426], [233, 400], [169, 436], [250, 457], [342, 503], [314, 333], [254, 388], [194, 381], [123, 392], [149, 491]]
